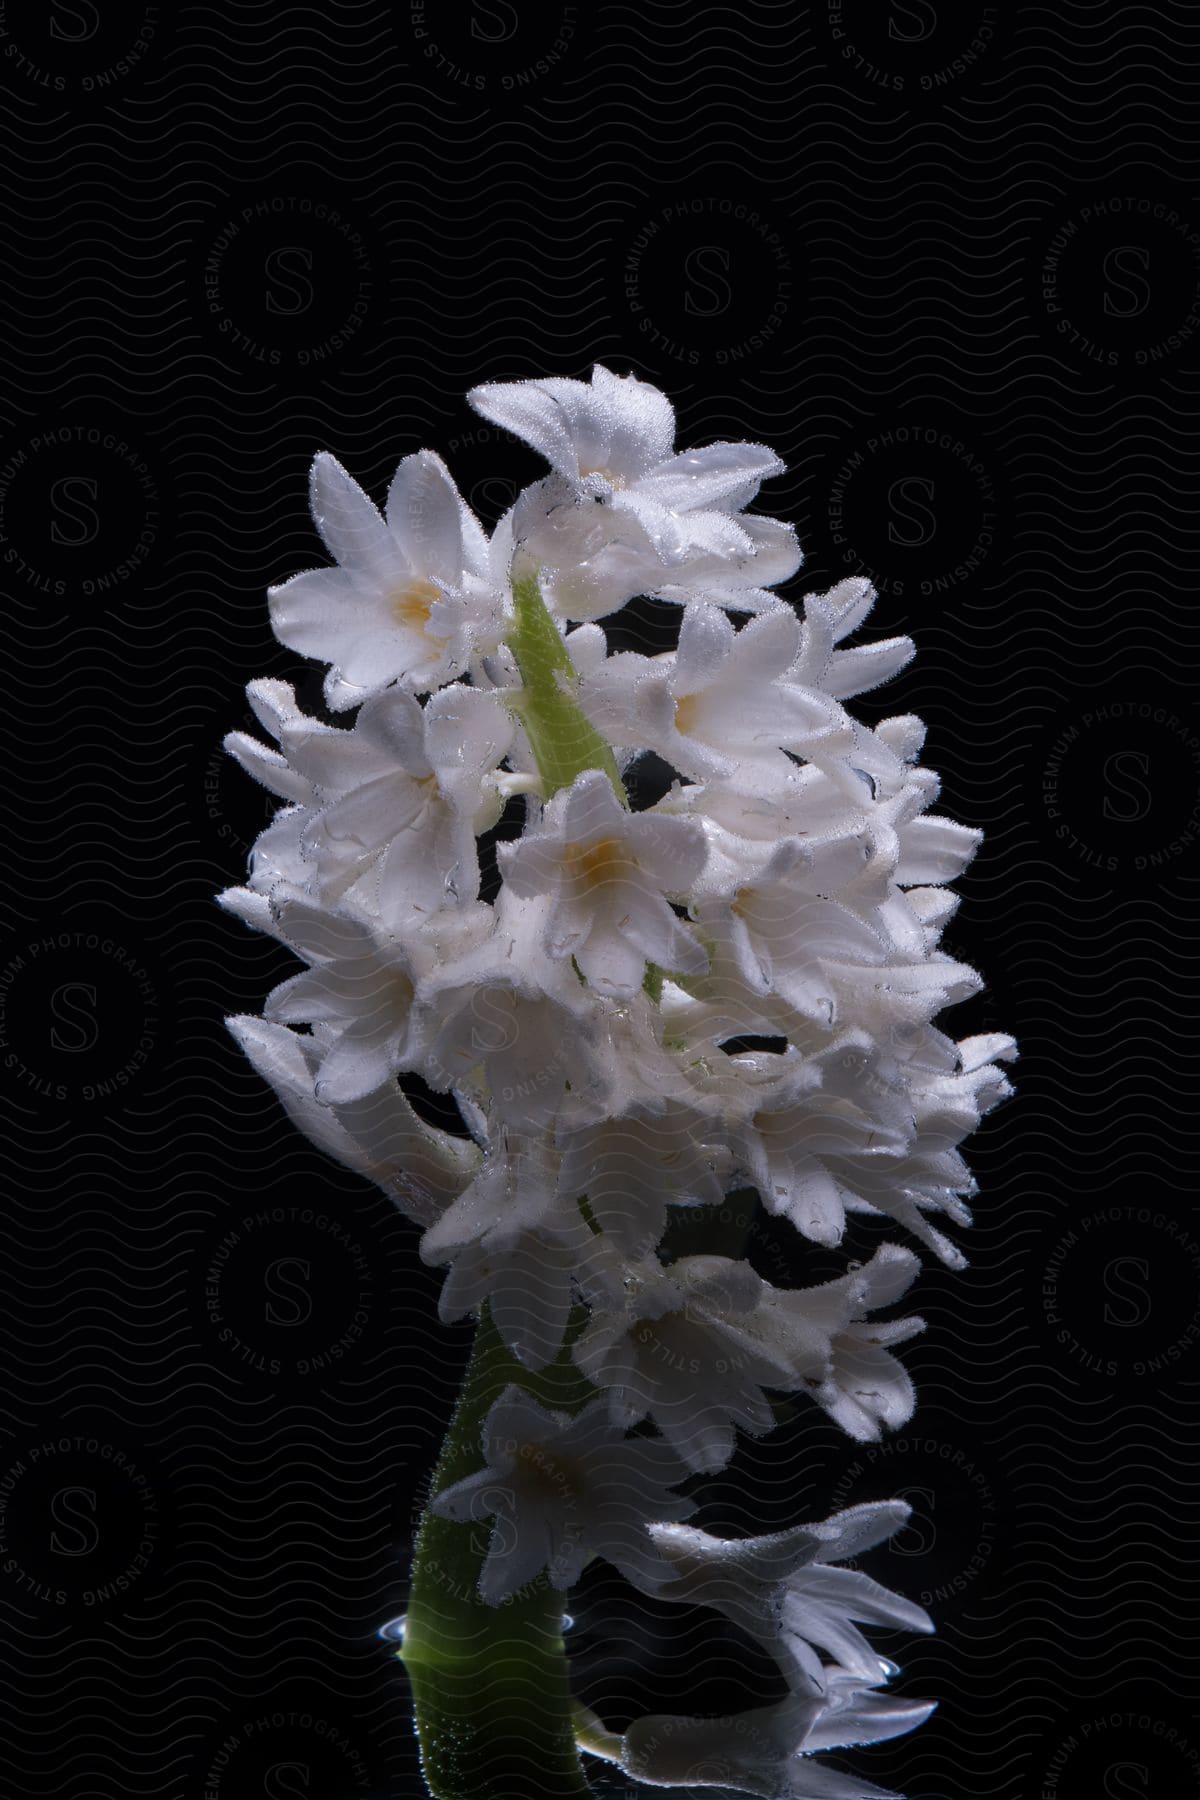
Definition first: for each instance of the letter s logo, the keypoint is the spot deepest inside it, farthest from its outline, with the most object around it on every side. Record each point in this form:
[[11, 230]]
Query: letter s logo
[[1134, 291], [74, 1508], [920, 15], [493, 1021], [84, 15], [74, 491], [495, 494], [919, 1535], [1135, 1295], [288, 270], [503, 17], [284, 1780], [707, 298], [70, 1003], [1137, 794], [279, 1280], [1127, 1781], [922, 522]]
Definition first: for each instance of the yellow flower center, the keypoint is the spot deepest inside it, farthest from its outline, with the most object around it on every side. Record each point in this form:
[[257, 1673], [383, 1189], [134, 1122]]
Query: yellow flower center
[[685, 713], [597, 863], [413, 604], [614, 481]]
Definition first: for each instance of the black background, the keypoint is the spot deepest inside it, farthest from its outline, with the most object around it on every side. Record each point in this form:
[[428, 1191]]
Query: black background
[[945, 259]]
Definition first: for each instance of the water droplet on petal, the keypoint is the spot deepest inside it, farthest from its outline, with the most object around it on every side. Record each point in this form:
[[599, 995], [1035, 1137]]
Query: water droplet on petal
[[393, 1631], [567, 1621]]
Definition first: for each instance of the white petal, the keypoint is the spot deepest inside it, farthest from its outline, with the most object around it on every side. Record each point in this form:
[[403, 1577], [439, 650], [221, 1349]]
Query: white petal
[[889, 1275], [718, 475], [664, 530], [591, 808], [671, 851], [847, 604], [467, 731], [424, 513], [765, 647], [530, 866], [360, 1061], [642, 429], [348, 521], [274, 705], [313, 612], [869, 1719], [935, 850], [706, 639], [392, 725], [986, 1048], [647, 922], [610, 964], [268, 766], [856, 671], [523, 408]]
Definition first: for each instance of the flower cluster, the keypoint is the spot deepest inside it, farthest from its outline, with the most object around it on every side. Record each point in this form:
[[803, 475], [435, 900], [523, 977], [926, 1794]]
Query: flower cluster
[[733, 987]]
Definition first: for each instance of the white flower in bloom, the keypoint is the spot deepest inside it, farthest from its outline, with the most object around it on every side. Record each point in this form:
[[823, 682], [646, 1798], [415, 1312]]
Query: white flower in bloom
[[274, 706], [679, 1352], [509, 1024], [842, 1105], [421, 1168], [839, 1355], [411, 595], [828, 618], [564, 1489], [623, 514], [633, 1165], [719, 702], [768, 1750], [516, 1244], [366, 996], [363, 990], [397, 801], [785, 1587], [607, 871]]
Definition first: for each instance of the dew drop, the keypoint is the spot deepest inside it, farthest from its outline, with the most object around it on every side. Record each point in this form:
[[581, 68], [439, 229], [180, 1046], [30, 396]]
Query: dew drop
[[393, 1631]]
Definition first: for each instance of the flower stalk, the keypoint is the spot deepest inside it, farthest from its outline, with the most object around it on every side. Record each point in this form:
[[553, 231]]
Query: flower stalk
[[563, 741], [491, 1700]]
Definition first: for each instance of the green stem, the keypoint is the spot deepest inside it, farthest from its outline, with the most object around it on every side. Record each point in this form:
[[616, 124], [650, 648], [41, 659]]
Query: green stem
[[491, 1698], [563, 740]]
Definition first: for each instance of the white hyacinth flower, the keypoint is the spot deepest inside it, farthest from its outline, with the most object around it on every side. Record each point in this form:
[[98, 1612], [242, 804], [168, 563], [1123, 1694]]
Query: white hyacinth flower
[[633, 1165], [420, 1167], [411, 594], [607, 872], [767, 1750], [517, 1245], [564, 1489], [366, 996], [785, 1588], [719, 703], [639, 1011], [839, 1355], [396, 802], [680, 1352], [624, 514]]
